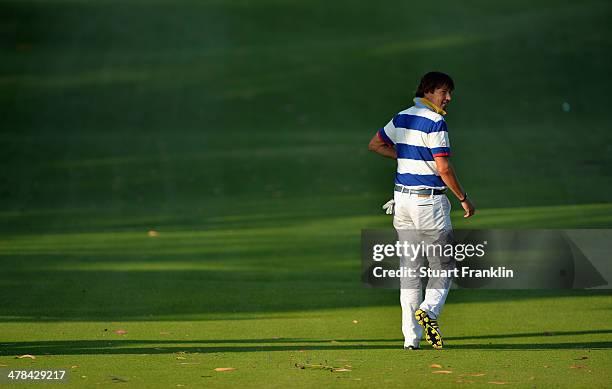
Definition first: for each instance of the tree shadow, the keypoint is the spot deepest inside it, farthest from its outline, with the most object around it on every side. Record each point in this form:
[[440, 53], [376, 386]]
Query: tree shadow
[[168, 346], [145, 295]]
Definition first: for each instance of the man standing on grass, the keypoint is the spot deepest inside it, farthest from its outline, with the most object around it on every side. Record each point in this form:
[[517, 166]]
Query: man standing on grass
[[418, 138]]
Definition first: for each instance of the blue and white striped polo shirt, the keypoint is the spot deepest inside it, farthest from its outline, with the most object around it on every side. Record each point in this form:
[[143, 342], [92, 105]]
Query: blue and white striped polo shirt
[[419, 134]]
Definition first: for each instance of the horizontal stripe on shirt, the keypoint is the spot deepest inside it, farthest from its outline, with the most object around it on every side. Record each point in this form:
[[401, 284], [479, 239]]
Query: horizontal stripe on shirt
[[423, 112], [414, 152], [413, 166], [418, 123], [411, 137], [420, 180]]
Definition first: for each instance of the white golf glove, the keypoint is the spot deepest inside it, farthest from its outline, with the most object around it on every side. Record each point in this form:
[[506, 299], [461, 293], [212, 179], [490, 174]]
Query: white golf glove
[[388, 207]]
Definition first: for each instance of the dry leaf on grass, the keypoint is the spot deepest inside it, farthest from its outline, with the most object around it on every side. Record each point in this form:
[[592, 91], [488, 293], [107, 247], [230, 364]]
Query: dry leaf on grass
[[435, 366], [577, 367], [355, 321], [442, 372], [120, 332], [225, 369], [498, 382], [26, 356], [322, 366], [153, 233], [474, 374]]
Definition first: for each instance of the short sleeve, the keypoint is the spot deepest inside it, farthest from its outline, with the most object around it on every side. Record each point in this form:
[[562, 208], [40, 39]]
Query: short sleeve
[[388, 134], [438, 140]]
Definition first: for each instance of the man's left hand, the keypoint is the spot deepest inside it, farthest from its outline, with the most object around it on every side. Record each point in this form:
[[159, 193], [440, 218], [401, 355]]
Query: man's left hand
[[388, 207]]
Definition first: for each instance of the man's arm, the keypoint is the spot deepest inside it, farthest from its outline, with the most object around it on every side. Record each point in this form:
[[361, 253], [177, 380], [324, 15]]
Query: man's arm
[[378, 146], [447, 173]]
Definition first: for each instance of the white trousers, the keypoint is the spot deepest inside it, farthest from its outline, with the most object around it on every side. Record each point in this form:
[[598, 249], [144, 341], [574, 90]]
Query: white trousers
[[424, 217]]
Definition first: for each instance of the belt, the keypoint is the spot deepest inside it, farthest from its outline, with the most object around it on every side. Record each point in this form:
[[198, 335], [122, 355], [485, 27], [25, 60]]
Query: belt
[[429, 192]]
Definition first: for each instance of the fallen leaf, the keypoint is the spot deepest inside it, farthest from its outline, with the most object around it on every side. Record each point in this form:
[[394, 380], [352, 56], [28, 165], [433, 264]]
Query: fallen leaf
[[189, 363], [26, 356], [355, 321], [317, 366], [120, 332], [225, 369], [474, 374], [498, 382], [546, 366], [341, 369], [576, 367], [153, 233], [442, 372], [435, 366], [118, 379], [74, 366]]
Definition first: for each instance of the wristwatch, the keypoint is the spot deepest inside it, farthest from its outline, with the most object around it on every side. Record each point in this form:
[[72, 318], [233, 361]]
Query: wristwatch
[[464, 198]]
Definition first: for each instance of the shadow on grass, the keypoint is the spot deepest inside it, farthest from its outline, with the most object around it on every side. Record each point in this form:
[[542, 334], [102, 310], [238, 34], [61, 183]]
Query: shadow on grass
[[281, 344], [64, 295], [201, 274]]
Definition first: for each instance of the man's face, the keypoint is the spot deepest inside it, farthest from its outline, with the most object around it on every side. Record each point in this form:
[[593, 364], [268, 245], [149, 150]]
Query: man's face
[[440, 96]]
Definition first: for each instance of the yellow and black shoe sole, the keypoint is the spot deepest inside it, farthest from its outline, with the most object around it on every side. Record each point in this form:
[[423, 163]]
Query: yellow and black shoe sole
[[432, 334]]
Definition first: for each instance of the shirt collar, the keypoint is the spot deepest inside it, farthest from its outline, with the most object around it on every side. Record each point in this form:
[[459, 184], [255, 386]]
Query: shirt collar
[[422, 102]]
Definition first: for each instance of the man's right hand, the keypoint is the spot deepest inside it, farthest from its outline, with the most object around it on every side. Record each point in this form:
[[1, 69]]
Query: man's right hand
[[469, 208]]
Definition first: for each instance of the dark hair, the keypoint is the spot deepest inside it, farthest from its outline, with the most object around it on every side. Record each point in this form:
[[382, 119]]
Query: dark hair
[[433, 80]]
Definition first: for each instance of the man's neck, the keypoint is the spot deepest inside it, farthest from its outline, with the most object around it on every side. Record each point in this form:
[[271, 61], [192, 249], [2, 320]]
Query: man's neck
[[430, 105]]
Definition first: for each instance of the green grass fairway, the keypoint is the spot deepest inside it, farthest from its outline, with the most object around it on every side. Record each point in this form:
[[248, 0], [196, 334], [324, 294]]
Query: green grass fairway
[[193, 300], [183, 185]]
